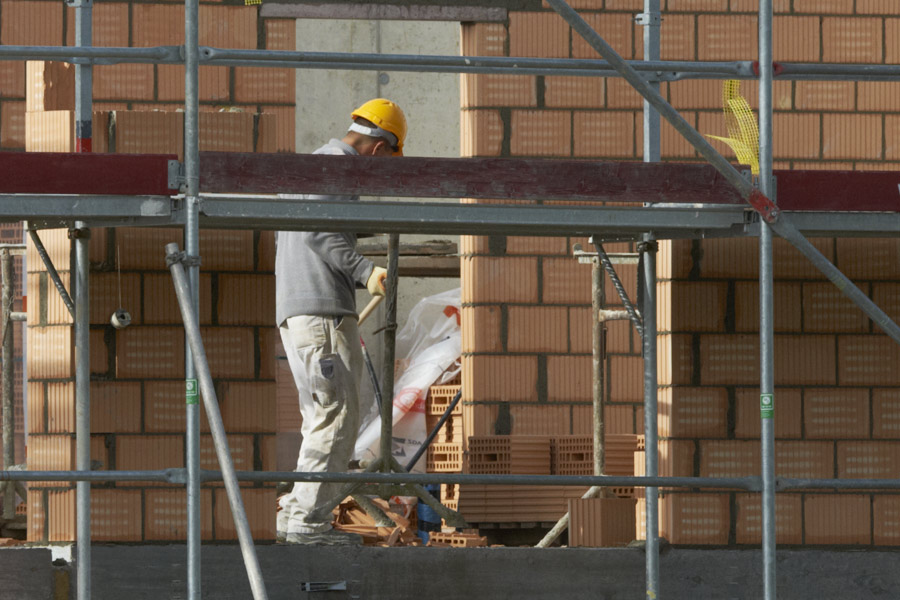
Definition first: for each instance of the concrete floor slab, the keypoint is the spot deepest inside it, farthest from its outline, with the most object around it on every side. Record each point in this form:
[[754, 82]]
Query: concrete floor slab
[[153, 572]]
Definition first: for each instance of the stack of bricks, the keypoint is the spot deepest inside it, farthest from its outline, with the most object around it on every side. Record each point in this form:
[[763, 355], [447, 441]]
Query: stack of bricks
[[526, 326], [574, 454], [137, 373], [525, 455], [445, 454]]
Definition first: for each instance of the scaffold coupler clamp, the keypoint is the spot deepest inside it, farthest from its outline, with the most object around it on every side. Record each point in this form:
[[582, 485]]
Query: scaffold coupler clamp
[[176, 175], [762, 204], [767, 209], [648, 246], [182, 257], [79, 233], [648, 18]]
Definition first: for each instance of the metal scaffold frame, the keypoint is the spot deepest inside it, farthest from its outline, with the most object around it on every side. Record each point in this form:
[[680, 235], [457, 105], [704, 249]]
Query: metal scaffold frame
[[158, 203]]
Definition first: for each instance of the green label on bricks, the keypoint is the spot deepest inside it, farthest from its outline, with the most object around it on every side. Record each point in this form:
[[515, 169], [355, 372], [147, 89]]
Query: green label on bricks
[[190, 392], [766, 406]]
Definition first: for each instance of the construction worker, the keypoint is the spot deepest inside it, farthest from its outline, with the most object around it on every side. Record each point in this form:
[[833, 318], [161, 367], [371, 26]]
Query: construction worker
[[316, 276]]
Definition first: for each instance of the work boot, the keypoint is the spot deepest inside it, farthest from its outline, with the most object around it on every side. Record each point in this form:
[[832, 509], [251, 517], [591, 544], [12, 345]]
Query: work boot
[[332, 537]]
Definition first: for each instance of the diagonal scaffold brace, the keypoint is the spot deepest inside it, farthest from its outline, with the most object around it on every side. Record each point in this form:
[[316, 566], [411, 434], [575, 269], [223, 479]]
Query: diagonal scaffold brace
[[175, 261]]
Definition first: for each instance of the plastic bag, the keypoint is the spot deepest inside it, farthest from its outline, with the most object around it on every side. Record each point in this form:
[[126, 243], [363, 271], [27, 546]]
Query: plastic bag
[[429, 345]]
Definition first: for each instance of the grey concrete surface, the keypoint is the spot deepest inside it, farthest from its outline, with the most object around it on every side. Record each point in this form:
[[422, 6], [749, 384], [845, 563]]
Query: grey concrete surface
[[26, 573], [154, 572]]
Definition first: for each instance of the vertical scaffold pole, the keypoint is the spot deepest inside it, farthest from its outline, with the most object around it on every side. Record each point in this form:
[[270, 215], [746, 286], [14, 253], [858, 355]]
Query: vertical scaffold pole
[[766, 310], [6, 269], [192, 249], [389, 350], [651, 20], [83, 142], [598, 381], [651, 458], [82, 410]]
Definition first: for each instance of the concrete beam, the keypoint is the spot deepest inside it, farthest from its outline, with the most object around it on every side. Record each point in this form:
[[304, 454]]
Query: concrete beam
[[394, 12]]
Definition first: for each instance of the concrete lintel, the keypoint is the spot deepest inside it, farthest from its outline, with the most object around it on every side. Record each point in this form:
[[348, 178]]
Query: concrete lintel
[[397, 12]]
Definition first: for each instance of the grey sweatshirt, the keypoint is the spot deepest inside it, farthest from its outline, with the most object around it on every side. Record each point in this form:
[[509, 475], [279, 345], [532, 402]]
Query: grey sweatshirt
[[317, 273]]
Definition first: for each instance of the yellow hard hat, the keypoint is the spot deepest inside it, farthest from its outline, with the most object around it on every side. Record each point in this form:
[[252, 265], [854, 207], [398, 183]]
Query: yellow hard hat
[[385, 115]]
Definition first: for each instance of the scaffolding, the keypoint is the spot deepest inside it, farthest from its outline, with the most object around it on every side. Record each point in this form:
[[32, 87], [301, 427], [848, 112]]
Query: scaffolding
[[159, 202]]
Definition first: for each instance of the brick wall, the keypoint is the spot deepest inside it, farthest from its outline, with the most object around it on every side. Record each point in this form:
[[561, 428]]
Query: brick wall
[[137, 387], [526, 335], [144, 86]]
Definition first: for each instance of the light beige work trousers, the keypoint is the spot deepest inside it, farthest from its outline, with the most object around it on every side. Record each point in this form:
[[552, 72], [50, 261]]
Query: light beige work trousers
[[326, 360]]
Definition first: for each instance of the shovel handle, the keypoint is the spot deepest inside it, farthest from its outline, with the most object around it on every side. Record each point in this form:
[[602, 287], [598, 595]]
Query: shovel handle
[[374, 302]]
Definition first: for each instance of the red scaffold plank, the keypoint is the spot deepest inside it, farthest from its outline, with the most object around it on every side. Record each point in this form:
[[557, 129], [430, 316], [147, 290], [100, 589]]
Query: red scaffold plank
[[493, 178], [875, 191], [99, 174], [535, 179]]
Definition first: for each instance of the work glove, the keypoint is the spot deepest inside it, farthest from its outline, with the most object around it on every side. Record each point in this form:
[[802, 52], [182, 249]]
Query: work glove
[[375, 283]]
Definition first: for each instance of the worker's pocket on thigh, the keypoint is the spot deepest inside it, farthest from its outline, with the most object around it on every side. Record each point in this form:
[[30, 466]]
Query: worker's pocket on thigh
[[330, 380], [309, 333]]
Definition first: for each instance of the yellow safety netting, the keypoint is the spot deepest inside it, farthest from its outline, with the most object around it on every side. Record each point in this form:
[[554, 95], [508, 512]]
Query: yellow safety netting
[[743, 132]]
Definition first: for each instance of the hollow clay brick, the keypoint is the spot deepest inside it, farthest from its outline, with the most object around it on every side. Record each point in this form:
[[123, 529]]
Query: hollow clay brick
[[886, 413], [258, 506], [246, 299], [538, 34], [834, 413], [837, 519], [788, 519], [165, 514], [481, 329], [608, 134], [868, 360], [569, 378], [788, 312], [853, 40], [868, 459], [726, 37], [693, 412], [616, 29], [868, 259]]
